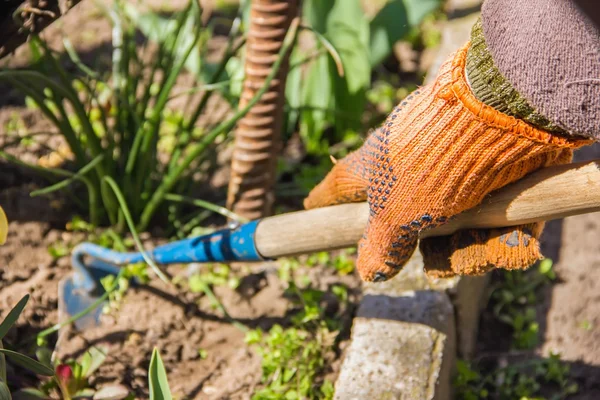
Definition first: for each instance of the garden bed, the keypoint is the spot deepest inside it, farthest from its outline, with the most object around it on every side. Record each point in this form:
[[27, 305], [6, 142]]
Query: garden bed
[[212, 354]]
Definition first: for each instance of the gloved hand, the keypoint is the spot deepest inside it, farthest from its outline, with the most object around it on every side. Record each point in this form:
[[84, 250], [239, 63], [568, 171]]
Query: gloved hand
[[440, 152]]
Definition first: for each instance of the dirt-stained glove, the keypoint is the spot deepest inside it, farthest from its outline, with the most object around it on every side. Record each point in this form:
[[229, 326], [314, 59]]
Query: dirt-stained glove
[[440, 152]]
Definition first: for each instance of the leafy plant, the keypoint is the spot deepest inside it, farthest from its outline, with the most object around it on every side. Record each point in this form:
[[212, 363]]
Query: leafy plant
[[530, 379], [514, 302], [117, 285], [342, 262], [326, 85], [71, 378], [213, 275], [295, 357], [319, 97], [114, 126], [292, 358], [17, 358]]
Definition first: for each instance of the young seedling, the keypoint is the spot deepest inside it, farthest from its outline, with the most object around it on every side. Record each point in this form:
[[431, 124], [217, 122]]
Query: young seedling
[[514, 300], [71, 378], [157, 378]]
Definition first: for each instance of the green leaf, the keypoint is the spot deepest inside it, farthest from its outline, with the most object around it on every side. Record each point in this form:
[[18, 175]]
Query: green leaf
[[317, 97], [84, 394], [393, 22], [161, 30], [418, 9], [288, 374], [2, 364], [315, 13], [30, 394], [235, 71], [44, 355], [28, 363], [545, 266], [348, 32], [92, 360], [4, 392], [157, 378], [13, 316]]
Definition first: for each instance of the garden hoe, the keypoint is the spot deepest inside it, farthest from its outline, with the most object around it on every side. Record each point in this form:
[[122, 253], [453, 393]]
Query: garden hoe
[[550, 193]]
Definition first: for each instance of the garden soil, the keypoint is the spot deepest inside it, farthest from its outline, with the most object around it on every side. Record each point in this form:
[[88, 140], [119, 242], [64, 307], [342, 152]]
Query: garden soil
[[182, 323], [204, 353]]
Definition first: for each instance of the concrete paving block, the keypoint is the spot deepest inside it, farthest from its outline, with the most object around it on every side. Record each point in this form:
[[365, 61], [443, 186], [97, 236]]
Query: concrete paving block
[[402, 348]]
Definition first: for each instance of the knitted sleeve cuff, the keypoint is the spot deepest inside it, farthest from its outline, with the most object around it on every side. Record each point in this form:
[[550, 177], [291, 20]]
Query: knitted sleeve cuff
[[490, 87]]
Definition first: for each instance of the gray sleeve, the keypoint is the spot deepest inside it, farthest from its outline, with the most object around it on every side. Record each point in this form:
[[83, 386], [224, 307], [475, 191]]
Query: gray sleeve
[[549, 50]]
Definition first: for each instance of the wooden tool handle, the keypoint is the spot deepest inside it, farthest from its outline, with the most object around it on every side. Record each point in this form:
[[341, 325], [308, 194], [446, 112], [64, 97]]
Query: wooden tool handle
[[550, 193]]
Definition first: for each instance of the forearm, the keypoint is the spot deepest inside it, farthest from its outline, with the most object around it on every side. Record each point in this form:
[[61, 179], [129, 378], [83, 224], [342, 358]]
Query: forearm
[[538, 60]]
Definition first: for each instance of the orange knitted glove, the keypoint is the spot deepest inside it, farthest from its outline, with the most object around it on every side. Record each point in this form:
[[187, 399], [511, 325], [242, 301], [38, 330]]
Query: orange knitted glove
[[440, 152], [477, 251]]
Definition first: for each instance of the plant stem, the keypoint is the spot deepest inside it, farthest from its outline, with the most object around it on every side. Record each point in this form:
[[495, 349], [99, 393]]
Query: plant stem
[[127, 215], [90, 308], [208, 205]]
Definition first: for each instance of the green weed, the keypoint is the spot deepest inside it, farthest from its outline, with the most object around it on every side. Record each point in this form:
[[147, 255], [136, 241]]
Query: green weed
[[526, 380], [117, 285], [342, 262], [294, 358], [514, 301], [213, 275], [291, 361]]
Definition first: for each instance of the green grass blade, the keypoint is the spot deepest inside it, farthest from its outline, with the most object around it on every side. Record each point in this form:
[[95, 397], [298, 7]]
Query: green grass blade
[[183, 133], [4, 392], [72, 53], [19, 139], [330, 49], [28, 363], [29, 89], [192, 221], [68, 93], [66, 90], [229, 52], [13, 316], [119, 195], [2, 365], [161, 101], [63, 184], [30, 394], [171, 179], [157, 378], [210, 87], [207, 205]]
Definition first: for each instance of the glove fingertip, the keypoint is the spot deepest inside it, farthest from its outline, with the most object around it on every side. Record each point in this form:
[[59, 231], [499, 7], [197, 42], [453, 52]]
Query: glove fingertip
[[381, 256]]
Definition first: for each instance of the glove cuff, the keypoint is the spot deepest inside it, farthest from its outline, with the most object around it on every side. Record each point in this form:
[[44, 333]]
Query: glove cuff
[[491, 115]]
